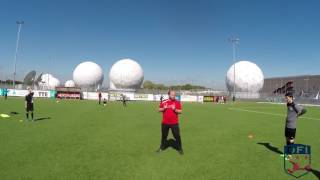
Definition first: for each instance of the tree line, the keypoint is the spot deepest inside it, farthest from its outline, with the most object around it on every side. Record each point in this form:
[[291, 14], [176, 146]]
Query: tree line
[[10, 82], [151, 85]]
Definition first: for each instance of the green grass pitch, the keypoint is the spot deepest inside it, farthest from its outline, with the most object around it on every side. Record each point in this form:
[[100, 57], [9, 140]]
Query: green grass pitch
[[82, 140]]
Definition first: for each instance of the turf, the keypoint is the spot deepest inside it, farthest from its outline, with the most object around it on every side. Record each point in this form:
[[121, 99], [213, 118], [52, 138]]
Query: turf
[[81, 140]]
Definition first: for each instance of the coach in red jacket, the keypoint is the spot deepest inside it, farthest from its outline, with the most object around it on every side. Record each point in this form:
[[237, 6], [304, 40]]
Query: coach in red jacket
[[170, 109]]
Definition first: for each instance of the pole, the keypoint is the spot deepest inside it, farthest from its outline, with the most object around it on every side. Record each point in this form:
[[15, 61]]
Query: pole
[[16, 52], [234, 41], [234, 70]]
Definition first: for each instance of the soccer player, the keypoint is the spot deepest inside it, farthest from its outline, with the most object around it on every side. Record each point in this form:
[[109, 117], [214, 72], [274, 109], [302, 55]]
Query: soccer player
[[170, 109], [99, 96], [161, 98], [104, 102], [293, 111], [124, 100], [29, 104], [5, 94]]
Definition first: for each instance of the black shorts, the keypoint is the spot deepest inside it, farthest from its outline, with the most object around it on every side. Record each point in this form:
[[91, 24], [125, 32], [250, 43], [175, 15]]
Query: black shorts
[[29, 107], [290, 133]]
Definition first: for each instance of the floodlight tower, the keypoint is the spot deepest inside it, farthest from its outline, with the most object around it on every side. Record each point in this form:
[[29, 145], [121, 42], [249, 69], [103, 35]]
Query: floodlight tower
[[19, 23], [234, 41]]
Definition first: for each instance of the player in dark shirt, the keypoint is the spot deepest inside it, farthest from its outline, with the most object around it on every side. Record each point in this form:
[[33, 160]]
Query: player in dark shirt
[[293, 112], [104, 101], [161, 98], [29, 104], [124, 100], [100, 97], [5, 94]]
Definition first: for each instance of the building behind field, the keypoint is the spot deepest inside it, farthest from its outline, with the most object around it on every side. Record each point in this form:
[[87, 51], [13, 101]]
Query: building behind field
[[304, 85]]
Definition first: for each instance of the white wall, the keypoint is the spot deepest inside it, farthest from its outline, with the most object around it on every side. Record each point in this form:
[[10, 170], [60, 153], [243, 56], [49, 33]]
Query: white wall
[[113, 96], [22, 93]]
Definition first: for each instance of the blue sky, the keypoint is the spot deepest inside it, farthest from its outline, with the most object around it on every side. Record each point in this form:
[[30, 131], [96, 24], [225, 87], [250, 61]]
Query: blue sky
[[175, 41]]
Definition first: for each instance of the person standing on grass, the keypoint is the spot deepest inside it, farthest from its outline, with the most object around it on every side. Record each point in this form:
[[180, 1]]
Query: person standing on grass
[[99, 96], [29, 104], [5, 94], [124, 100], [161, 98], [104, 102], [293, 112], [170, 109]]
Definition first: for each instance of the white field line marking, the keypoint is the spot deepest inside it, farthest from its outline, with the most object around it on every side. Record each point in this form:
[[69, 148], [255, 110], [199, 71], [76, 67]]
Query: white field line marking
[[280, 103], [272, 114]]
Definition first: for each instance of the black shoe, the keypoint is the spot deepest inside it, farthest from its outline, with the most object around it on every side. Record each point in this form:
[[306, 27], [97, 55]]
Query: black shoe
[[181, 152]]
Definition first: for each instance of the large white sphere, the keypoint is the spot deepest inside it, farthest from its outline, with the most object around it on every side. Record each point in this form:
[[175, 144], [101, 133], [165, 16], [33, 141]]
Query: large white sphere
[[88, 74], [249, 77], [48, 81], [126, 74], [54, 83], [69, 83]]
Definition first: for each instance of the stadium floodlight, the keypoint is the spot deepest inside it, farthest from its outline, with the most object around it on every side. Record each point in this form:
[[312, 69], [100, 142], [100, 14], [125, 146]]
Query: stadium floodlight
[[234, 41], [19, 23]]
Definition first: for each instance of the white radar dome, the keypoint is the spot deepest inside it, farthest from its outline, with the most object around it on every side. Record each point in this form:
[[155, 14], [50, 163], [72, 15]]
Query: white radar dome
[[126, 74], [248, 77], [88, 74], [69, 83], [48, 81]]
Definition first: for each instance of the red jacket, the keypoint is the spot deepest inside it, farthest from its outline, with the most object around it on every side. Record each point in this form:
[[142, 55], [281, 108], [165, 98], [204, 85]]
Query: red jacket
[[168, 115]]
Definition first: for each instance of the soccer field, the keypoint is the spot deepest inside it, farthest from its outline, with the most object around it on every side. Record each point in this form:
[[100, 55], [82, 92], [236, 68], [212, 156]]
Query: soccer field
[[82, 140]]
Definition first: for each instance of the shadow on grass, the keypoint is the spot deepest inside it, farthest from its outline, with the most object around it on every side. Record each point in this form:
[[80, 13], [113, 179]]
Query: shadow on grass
[[14, 113], [171, 143], [271, 148], [41, 119], [315, 173]]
